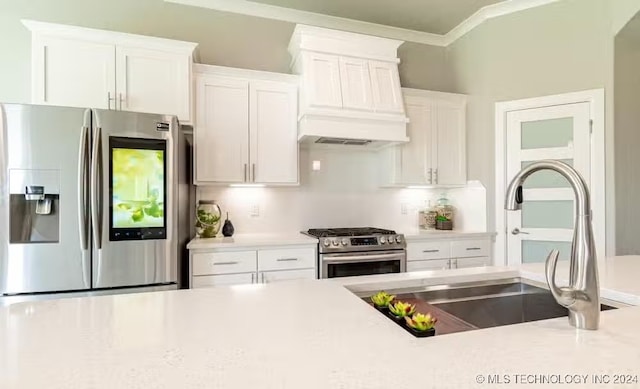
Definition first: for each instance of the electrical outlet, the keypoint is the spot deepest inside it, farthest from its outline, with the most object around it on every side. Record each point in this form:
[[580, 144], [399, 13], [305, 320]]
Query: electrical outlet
[[404, 208], [255, 210]]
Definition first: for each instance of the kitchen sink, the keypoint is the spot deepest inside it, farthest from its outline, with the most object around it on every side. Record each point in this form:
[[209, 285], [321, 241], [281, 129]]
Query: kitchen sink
[[487, 304]]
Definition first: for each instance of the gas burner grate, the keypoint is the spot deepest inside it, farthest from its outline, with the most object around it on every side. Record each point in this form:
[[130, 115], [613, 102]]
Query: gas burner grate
[[361, 231]]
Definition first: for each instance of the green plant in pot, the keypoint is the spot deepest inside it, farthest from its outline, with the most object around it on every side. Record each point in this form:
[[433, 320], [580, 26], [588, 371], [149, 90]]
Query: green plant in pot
[[420, 322], [381, 300], [400, 309], [442, 223]]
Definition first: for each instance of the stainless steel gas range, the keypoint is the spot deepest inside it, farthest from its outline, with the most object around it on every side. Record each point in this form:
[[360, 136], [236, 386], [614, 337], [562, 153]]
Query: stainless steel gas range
[[346, 252]]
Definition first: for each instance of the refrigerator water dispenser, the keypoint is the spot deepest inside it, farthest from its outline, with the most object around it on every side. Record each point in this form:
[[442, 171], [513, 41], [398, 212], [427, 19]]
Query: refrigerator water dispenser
[[34, 213]]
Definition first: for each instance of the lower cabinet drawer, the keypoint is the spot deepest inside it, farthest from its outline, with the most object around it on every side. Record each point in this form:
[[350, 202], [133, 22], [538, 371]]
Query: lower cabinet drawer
[[287, 259], [204, 264], [470, 248], [461, 263], [223, 280], [434, 264], [418, 251], [286, 275]]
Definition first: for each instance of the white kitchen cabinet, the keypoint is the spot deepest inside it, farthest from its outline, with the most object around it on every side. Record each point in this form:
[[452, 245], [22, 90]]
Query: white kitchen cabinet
[[322, 80], [385, 84], [72, 73], [221, 132], [246, 127], [286, 275], [461, 263], [356, 84], [433, 264], [153, 81], [249, 265], [223, 280], [273, 132], [439, 254], [82, 67], [436, 152]]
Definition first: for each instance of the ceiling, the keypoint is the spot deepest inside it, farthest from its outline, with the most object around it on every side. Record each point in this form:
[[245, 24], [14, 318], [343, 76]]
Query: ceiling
[[431, 16]]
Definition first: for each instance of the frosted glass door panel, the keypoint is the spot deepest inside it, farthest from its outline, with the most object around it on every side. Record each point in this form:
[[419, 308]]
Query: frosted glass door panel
[[538, 251], [548, 133], [547, 214], [546, 178]]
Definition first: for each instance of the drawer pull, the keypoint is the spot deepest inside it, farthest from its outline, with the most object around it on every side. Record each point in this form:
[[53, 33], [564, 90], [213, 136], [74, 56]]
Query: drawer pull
[[226, 263], [430, 251], [287, 259], [473, 248]]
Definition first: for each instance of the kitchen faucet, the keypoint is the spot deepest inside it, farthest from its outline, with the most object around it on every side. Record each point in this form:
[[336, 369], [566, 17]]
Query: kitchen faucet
[[582, 296]]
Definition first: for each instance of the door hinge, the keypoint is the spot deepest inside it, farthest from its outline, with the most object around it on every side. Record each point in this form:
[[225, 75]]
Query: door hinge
[[591, 126]]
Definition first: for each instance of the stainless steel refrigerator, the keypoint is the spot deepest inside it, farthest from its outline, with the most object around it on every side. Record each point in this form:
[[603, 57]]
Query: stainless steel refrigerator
[[88, 199]]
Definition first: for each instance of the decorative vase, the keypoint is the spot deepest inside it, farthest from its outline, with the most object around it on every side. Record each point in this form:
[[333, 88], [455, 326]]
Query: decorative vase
[[208, 216], [227, 229]]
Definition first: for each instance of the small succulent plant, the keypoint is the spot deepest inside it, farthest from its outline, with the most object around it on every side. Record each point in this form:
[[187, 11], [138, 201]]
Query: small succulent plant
[[382, 299], [402, 309], [420, 322]]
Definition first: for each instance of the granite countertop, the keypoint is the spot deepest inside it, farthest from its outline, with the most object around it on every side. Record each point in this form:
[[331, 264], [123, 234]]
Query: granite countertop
[[252, 240], [299, 334]]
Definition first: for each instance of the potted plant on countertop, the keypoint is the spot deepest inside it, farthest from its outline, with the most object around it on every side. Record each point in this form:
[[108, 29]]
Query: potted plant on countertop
[[421, 325], [399, 310], [442, 223], [381, 301]]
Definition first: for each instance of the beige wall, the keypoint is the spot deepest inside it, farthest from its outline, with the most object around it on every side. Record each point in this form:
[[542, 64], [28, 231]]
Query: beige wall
[[562, 47], [225, 39], [627, 139]]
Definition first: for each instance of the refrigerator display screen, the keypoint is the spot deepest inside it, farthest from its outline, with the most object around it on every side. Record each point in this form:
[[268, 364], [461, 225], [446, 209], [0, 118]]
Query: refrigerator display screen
[[138, 184]]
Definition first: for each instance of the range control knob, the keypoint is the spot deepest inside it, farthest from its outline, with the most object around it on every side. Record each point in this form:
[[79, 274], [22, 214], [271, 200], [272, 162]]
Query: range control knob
[[345, 241], [335, 242], [383, 239], [327, 242], [398, 239]]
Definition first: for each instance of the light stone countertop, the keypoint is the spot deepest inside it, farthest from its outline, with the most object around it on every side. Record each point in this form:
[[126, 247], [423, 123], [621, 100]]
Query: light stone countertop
[[300, 334], [419, 235], [252, 241]]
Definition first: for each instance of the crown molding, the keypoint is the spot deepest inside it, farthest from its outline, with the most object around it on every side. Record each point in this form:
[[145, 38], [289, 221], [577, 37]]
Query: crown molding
[[290, 15]]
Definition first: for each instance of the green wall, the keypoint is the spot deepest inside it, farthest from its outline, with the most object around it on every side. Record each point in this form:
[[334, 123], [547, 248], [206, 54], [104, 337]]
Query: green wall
[[225, 39]]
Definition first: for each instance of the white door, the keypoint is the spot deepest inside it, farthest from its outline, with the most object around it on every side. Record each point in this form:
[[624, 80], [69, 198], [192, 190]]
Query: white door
[[273, 133], [322, 80], [416, 155], [356, 84], [73, 73], [222, 130], [152, 81], [560, 132], [450, 163], [385, 85]]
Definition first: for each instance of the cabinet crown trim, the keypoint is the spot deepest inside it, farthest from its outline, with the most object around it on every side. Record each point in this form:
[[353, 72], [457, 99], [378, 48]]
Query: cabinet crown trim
[[248, 74], [108, 37], [310, 38]]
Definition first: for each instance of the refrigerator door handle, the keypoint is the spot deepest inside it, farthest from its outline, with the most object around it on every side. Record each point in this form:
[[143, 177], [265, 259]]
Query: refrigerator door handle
[[82, 187], [96, 188]]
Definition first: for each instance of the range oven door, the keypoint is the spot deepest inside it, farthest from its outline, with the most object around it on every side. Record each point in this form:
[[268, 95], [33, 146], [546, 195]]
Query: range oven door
[[362, 263]]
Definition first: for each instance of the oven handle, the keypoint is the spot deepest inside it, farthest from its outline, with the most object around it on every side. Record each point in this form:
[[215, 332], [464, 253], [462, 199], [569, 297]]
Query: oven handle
[[364, 258]]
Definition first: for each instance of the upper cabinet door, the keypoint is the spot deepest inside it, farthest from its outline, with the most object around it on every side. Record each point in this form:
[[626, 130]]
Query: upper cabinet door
[[451, 139], [356, 84], [416, 155], [153, 81], [221, 130], [385, 84], [273, 132], [73, 73], [322, 80]]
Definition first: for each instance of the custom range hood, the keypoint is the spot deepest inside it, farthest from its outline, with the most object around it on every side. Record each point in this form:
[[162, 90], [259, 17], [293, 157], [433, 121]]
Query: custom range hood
[[350, 90]]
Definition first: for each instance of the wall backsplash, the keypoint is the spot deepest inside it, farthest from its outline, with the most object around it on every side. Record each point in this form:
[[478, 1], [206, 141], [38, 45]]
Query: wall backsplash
[[343, 193]]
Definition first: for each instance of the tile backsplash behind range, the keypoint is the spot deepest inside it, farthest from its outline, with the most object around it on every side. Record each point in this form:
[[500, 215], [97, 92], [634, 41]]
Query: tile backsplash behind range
[[343, 193]]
